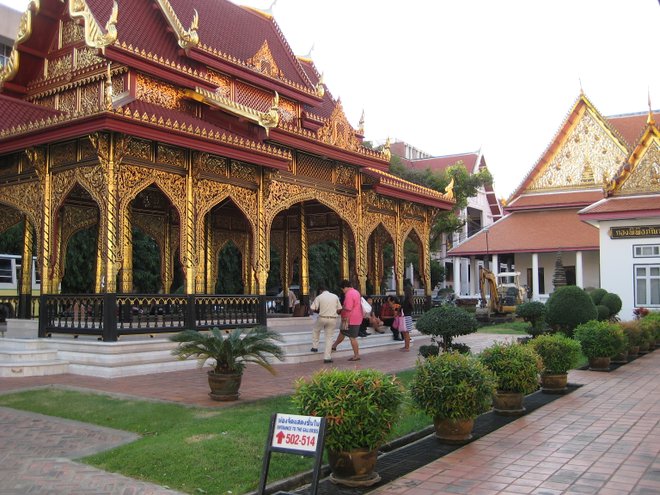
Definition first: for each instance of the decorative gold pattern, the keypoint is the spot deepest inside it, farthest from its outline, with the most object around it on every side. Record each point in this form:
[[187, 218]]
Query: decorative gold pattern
[[222, 82], [338, 132], [86, 57], [171, 155], [263, 62], [316, 168], [345, 175], [67, 101], [645, 177], [243, 171], [63, 154], [186, 39], [288, 111], [139, 148], [212, 163], [90, 98], [60, 66], [9, 217], [588, 146], [157, 92], [94, 35], [72, 32]]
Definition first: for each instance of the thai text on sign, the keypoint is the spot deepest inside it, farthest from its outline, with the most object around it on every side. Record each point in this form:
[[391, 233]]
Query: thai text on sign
[[635, 231], [296, 432]]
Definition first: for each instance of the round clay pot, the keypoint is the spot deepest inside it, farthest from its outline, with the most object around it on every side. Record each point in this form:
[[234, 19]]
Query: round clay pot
[[224, 387], [354, 468], [508, 403], [554, 383], [599, 364], [455, 431], [621, 358]]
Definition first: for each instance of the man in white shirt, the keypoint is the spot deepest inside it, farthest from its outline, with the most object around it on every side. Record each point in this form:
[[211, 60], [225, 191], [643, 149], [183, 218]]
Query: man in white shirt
[[327, 306]]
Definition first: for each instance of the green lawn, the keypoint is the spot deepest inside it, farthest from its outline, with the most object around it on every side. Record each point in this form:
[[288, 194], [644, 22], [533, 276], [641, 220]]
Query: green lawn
[[515, 327], [194, 450]]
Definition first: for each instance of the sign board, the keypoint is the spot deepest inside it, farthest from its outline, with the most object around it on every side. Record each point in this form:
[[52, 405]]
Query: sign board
[[634, 231], [296, 433]]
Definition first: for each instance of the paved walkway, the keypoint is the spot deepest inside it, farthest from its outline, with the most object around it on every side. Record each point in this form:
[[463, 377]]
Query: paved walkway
[[602, 439]]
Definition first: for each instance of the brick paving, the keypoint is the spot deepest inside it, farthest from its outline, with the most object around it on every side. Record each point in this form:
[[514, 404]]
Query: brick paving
[[602, 439]]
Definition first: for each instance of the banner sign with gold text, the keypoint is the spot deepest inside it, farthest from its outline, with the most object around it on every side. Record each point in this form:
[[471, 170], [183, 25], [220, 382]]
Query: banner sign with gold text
[[635, 231]]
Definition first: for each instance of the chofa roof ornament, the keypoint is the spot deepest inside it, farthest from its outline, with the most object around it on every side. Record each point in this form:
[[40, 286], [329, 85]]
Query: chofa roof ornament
[[94, 35], [10, 69], [187, 39]]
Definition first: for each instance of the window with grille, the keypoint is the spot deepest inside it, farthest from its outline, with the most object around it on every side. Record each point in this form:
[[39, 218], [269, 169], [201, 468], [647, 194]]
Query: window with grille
[[646, 251], [647, 285]]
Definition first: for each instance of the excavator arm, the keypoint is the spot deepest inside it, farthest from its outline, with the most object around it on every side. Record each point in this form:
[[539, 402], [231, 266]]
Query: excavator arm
[[487, 281]]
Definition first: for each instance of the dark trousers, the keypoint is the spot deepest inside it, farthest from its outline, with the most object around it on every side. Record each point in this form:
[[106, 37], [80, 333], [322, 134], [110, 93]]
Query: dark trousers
[[395, 333]]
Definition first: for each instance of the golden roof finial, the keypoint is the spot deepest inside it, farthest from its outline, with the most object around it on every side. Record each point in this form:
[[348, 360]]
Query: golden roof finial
[[581, 90], [650, 119], [269, 10], [320, 87], [386, 149], [361, 125], [449, 190]]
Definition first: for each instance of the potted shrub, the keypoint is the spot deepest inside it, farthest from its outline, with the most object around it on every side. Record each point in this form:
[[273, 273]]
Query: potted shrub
[[600, 340], [533, 312], [633, 334], [445, 323], [453, 389], [559, 354], [568, 307], [360, 407], [231, 351], [517, 367], [651, 322]]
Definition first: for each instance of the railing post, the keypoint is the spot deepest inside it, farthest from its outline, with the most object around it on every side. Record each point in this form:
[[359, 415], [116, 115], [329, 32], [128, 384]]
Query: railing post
[[25, 306], [191, 314], [109, 333], [43, 316], [261, 311]]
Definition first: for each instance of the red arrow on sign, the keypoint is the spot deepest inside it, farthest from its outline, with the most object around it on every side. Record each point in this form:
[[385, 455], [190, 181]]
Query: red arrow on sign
[[280, 436]]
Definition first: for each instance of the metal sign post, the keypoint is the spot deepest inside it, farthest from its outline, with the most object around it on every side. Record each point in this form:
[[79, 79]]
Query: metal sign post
[[294, 434]]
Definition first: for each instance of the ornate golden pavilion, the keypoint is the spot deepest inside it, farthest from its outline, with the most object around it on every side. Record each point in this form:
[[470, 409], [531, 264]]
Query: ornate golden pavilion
[[198, 135]]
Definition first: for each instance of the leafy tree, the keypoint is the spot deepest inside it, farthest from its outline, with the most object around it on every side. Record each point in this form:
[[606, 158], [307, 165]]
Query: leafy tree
[[230, 280], [466, 185], [11, 240], [146, 264], [80, 267], [324, 265]]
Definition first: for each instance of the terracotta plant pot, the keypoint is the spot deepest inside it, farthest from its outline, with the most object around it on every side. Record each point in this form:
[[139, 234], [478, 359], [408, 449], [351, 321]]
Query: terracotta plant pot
[[354, 468], [554, 384], [224, 387], [621, 358], [454, 431], [599, 364], [508, 403]]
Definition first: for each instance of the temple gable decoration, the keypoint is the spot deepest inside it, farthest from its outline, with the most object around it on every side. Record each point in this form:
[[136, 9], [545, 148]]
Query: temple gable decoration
[[641, 173], [337, 131], [588, 157], [264, 62]]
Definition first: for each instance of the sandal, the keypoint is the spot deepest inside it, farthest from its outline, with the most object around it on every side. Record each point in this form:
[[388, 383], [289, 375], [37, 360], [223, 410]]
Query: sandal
[[403, 349], [334, 349], [354, 358]]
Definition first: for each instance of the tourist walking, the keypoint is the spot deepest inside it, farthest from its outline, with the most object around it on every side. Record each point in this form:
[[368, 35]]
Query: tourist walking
[[387, 316], [328, 308], [351, 316], [405, 327]]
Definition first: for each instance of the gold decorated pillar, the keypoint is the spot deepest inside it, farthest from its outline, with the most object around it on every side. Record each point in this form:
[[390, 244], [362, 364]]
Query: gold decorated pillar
[[25, 295], [262, 249], [285, 261], [188, 231], [304, 254], [247, 266], [399, 261], [208, 256], [343, 252], [127, 251], [361, 262], [166, 258], [377, 263], [100, 264], [425, 261], [59, 256], [201, 278], [40, 160]]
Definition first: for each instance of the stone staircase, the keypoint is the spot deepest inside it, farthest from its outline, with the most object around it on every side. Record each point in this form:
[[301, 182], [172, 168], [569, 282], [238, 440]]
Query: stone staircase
[[22, 354]]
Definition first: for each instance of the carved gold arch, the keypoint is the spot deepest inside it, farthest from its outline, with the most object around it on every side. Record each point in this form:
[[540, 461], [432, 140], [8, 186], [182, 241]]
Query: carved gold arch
[[9, 216], [89, 178], [134, 179], [421, 231], [74, 219], [26, 197]]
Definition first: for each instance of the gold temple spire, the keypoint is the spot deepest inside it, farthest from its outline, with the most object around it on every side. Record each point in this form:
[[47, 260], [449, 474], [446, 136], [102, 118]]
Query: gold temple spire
[[650, 119], [361, 125], [320, 87], [386, 149]]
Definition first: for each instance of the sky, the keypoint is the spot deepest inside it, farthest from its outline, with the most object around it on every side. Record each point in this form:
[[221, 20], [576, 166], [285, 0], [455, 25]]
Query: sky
[[450, 76]]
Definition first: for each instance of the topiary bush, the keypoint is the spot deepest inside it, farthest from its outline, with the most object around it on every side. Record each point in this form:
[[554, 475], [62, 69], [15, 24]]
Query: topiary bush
[[453, 386], [613, 303], [446, 322], [558, 352], [600, 339], [516, 366], [568, 307], [533, 312], [360, 406], [652, 321], [603, 312], [596, 295]]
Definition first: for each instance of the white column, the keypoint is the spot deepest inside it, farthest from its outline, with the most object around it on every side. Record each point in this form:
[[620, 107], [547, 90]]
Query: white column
[[496, 265], [535, 276], [457, 276], [579, 275], [474, 275]]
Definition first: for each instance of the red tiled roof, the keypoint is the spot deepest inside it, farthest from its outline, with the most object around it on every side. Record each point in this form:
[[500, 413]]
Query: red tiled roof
[[229, 28], [555, 199], [16, 112], [620, 207], [532, 231], [440, 163], [630, 126], [396, 187]]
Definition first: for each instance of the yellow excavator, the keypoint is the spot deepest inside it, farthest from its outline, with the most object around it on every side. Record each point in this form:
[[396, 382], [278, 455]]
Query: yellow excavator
[[500, 293]]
